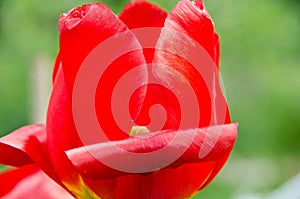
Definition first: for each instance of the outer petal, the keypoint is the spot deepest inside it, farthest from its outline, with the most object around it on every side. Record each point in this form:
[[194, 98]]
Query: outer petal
[[217, 49], [83, 31], [61, 132], [193, 20], [29, 182], [56, 66], [62, 136], [187, 25], [216, 141], [14, 145], [25, 146], [179, 61]]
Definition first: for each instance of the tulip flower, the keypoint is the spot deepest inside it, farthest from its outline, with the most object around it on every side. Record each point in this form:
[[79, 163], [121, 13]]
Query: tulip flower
[[136, 109]]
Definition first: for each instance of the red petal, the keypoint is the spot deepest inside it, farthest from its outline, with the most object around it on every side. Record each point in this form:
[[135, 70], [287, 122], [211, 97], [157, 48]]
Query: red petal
[[187, 54], [14, 145], [219, 164], [185, 175], [157, 95], [56, 67], [81, 30], [167, 183], [138, 14], [61, 132], [27, 145], [214, 142], [217, 50], [88, 34], [199, 3], [141, 14], [195, 22], [29, 182]]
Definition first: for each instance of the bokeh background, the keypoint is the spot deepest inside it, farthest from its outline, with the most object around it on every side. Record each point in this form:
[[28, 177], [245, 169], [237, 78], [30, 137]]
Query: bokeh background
[[260, 64]]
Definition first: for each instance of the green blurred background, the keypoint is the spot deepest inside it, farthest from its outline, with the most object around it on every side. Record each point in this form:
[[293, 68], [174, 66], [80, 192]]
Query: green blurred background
[[260, 56]]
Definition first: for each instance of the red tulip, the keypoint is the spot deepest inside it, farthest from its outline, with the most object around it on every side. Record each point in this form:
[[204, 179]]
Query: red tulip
[[109, 72]]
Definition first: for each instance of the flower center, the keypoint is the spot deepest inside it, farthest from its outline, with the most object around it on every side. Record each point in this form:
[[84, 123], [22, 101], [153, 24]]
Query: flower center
[[138, 130]]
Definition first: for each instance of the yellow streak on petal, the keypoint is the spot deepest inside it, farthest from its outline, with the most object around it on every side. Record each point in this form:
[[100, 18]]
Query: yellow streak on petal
[[81, 190]]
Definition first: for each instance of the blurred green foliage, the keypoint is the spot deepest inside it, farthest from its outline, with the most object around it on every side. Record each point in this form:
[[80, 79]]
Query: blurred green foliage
[[260, 48]]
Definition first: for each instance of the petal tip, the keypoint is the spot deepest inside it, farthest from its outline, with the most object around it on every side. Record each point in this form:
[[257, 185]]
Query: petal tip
[[200, 4]]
